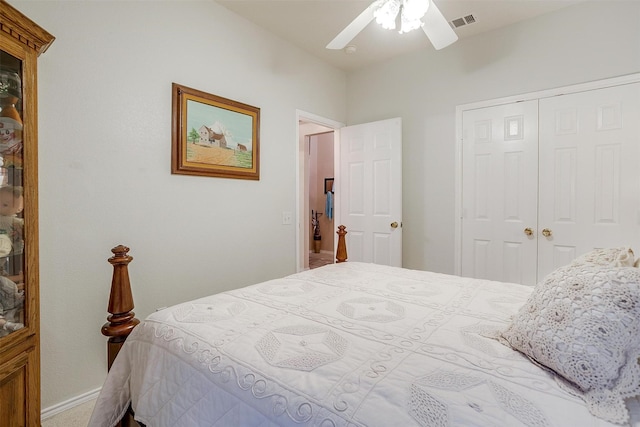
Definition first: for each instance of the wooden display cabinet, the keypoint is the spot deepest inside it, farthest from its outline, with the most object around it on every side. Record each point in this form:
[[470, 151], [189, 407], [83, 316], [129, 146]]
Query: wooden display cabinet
[[21, 42]]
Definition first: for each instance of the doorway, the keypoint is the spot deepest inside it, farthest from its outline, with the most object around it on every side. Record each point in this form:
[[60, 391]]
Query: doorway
[[317, 143], [320, 176], [368, 188]]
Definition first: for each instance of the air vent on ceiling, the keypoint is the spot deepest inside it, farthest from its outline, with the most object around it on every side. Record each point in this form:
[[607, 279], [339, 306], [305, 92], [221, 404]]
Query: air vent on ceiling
[[465, 20]]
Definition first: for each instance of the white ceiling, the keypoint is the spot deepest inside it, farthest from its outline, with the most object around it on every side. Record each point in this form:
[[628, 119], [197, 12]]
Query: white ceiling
[[312, 24]]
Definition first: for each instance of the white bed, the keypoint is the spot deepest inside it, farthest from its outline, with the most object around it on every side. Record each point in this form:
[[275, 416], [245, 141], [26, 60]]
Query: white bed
[[348, 344]]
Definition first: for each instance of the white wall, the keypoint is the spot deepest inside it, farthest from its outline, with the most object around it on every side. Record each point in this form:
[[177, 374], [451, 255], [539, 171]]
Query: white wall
[[105, 141], [590, 41]]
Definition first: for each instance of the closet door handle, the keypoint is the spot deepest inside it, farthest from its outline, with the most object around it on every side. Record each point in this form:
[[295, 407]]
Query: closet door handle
[[546, 232], [528, 231], [394, 224]]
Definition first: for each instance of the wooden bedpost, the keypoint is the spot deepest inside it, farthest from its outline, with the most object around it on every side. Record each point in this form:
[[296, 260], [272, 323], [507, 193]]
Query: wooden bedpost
[[121, 321], [341, 252]]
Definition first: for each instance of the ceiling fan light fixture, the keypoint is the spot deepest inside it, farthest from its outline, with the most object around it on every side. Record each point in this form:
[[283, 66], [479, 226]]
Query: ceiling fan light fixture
[[412, 13], [386, 12], [409, 25]]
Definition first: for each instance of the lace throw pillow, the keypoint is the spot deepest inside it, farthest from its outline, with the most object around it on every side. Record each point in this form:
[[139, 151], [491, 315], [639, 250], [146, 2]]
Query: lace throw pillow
[[610, 257], [583, 323]]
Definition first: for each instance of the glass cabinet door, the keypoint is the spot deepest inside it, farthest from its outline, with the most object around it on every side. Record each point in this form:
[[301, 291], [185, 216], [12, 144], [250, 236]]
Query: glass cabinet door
[[12, 289], [21, 42]]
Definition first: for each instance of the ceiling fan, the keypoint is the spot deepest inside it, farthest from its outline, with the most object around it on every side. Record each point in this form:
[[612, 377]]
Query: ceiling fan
[[413, 14]]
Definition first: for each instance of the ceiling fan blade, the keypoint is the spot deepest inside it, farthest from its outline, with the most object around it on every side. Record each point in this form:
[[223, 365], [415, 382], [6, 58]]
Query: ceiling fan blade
[[352, 30], [437, 28]]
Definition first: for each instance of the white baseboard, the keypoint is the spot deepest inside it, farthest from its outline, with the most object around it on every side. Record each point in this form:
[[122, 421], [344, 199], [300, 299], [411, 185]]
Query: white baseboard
[[69, 404]]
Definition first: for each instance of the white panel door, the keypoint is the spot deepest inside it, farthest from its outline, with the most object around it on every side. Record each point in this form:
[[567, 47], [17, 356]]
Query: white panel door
[[589, 173], [370, 191], [499, 192]]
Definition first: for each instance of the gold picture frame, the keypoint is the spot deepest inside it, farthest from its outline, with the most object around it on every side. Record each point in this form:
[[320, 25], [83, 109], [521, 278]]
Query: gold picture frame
[[213, 136]]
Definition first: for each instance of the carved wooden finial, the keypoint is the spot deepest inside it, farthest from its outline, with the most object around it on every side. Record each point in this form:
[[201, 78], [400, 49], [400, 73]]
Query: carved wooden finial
[[120, 300], [121, 320], [341, 252], [120, 251]]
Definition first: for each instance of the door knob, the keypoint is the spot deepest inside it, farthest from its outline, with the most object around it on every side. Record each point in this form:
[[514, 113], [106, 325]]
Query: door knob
[[528, 231], [394, 224], [546, 232]]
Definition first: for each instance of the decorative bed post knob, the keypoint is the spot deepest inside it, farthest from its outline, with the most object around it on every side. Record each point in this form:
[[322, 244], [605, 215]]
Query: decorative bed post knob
[[121, 320], [341, 252]]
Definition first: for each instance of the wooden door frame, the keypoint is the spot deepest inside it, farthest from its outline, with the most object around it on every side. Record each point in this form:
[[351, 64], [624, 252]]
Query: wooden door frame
[[565, 90]]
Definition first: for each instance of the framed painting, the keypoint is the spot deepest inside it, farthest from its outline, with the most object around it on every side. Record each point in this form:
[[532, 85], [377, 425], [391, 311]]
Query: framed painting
[[214, 136]]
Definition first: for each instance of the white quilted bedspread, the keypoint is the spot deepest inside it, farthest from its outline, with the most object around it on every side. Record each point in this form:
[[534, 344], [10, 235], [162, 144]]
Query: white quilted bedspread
[[349, 344]]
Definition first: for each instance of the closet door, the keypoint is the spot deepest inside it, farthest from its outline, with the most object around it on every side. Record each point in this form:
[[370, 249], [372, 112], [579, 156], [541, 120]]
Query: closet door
[[500, 192], [589, 173]]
